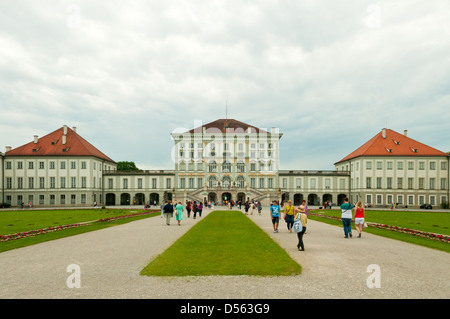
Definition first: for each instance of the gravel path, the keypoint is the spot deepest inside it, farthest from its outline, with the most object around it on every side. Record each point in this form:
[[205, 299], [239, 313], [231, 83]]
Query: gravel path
[[333, 267]]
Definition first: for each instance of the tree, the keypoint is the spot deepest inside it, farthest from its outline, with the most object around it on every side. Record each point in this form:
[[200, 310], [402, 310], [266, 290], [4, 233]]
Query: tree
[[126, 166]]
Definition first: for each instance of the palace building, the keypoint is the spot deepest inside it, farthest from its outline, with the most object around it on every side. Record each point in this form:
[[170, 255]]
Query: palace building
[[221, 161]]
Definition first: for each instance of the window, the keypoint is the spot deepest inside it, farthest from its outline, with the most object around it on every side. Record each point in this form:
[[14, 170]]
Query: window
[[421, 200], [421, 183], [41, 199], [41, 182], [140, 183], [110, 183], [443, 166], [63, 182], [443, 183], [252, 182], [73, 199], [313, 183], [83, 165], [341, 183], [30, 182], [8, 183], [252, 167], [62, 199], [389, 182], [390, 199], [410, 166], [241, 167], [52, 165], [73, 165], [73, 182], [368, 182], [378, 182], [226, 167], [199, 182], [83, 182], [182, 182], [125, 183], [432, 200], [168, 183], [19, 165], [368, 165], [400, 166], [261, 183], [154, 183], [369, 199], [63, 165], [284, 182], [400, 183], [8, 165], [298, 183], [191, 182], [410, 200], [20, 182], [212, 167], [379, 165], [30, 165], [83, 198], [432, 166], [432, 183], [389, 165], [410, 183], [400, 199], [421, 166], [52, 199], [379, 199], [270, 182], [41, 165]]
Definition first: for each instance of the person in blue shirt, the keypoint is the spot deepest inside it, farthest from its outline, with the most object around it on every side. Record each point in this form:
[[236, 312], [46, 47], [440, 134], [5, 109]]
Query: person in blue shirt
[[275, 215], [347, 216]]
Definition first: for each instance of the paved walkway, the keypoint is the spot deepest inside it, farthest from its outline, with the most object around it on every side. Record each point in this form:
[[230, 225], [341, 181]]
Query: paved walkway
[[333, 267]]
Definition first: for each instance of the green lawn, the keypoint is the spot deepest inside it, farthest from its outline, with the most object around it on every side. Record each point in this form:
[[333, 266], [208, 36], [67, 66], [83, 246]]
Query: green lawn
[[224, 243], [12, 222], [427, 221]]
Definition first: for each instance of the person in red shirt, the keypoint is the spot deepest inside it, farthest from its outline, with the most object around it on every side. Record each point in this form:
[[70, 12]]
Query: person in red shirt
[[359, 218]]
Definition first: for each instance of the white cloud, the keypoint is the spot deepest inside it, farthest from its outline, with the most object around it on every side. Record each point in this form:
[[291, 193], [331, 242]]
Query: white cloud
[[329, 74]]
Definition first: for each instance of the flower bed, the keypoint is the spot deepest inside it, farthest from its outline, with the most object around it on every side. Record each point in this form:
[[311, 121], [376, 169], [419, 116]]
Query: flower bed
[[36, 232], [415, 232]]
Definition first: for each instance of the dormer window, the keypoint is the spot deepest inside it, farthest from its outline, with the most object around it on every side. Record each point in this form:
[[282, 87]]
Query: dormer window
[[66, 149], [36, 149], [396, 142], [389, 150], [414, 150]]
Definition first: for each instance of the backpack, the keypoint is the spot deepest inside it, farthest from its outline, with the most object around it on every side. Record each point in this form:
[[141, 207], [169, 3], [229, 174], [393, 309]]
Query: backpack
[[298, 227]]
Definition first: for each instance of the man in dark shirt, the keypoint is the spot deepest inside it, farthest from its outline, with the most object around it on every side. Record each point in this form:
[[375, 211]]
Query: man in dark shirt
[[168, 212]]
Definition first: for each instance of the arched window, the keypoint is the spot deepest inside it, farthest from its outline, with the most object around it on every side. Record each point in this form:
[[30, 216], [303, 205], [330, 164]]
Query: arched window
[[240, 181], [226, 167], [212, 167], [226, 181], [212, 182]]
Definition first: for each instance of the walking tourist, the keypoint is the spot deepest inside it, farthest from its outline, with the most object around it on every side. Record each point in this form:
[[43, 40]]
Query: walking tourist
[[359, 218], [168, 212], [200, 209], [246, 207], [259, 206], [346, 216], [289, 212], [304, 220], [275, 215], [179, 213], [188, 209], [194, 209]]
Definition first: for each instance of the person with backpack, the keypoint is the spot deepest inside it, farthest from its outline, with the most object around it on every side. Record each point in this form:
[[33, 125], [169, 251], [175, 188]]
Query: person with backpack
[[346, 217], [301, 218], [195, 209]]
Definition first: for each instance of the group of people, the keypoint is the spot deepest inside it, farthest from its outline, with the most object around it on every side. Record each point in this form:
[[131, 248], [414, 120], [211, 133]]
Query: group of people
[[168, 210], [347, 216], [291, 214]]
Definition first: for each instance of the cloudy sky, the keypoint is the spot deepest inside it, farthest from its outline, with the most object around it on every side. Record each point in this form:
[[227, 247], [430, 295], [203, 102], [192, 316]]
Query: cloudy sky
[[329, 74]]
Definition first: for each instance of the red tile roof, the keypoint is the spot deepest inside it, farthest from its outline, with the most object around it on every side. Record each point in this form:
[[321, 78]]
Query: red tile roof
[[395, 144], [52, 145], [223, 124]]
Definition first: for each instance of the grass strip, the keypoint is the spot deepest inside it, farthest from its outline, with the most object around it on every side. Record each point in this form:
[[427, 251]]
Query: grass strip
[[224, 243]]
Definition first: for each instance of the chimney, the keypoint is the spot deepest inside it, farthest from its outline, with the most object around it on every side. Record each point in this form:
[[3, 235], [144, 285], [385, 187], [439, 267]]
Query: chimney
[[64, 139], [74, 129], [383, 133], [35, 139], [405, 132], [65, 130], [8, 148]]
